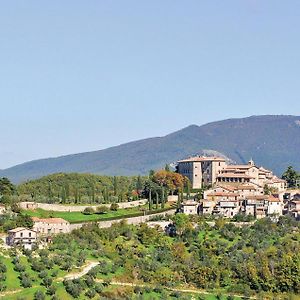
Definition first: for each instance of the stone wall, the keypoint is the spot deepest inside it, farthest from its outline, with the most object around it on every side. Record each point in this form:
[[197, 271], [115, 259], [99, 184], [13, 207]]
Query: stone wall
[[132, 220], [76, 208]]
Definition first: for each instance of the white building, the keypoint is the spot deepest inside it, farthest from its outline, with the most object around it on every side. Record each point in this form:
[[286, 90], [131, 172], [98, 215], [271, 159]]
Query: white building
[[190, 207], [22, 237]]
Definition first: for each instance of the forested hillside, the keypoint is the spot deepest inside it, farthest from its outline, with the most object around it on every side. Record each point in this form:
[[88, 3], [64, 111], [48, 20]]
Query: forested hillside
[[272, 141], [81, 188]]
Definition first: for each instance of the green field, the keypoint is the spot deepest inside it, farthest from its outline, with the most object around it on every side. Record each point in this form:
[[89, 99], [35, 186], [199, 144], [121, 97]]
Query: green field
[[78, 217]]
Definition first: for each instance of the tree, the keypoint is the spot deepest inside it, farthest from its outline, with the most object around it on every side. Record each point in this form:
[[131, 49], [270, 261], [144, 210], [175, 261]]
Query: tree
[[139, 185], [39, 295], [181, 222], [6, 187], [101, 209], [291, 176], [115, 184], [88, 211]]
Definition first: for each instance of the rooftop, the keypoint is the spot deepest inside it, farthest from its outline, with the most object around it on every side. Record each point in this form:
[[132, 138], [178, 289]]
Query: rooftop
[[19, 229], [202, 158]]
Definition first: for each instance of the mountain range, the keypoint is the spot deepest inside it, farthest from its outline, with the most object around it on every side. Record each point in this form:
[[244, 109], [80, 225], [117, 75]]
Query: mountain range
[[271, 140]]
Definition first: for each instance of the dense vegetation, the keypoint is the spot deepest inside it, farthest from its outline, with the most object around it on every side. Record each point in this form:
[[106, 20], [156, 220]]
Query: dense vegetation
[[264, 257], [224, 259], [81, 188], [74, 188]]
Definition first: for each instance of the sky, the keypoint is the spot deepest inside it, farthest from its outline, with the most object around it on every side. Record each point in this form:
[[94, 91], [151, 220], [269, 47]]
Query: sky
[[78, 76]]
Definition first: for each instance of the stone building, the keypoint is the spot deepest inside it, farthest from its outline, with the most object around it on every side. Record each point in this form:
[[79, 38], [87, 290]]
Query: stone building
[[201, 170], [50, 226]]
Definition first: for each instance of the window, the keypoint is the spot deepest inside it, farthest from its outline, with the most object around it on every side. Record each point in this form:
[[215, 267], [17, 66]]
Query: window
[[21, 234], [29, 234]]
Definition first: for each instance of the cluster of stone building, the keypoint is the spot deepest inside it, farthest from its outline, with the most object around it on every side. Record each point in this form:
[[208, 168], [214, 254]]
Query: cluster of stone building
[[42, 230], [236, 189]]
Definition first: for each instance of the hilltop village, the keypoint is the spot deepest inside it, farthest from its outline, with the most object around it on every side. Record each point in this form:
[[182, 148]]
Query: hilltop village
[[237, 189]]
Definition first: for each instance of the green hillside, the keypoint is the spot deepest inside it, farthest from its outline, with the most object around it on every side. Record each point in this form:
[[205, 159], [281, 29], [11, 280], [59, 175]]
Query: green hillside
[[272, 141]]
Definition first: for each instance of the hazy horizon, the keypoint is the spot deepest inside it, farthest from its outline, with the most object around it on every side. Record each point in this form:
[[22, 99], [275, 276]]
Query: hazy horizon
[[78, 77]]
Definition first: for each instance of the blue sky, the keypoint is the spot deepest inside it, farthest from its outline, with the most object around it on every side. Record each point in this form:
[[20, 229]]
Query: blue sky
[[85, 75]]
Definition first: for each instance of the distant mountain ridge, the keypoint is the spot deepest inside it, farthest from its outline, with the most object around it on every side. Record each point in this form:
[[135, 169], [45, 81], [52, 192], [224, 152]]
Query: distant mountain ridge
[[272, 141]]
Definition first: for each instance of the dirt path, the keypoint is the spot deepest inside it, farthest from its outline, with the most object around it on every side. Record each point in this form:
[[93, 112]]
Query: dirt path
[[7, 293], [85, 270]]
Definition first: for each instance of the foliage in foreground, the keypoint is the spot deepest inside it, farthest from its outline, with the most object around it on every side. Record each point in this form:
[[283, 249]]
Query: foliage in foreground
[[263, 257]]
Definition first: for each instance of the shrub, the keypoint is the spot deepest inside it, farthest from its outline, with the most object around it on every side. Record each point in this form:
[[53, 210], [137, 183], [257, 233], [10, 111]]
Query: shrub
[[51, 290], [19, 267], [114, 206], [47, 281], [43, 274], [3, 268], [2, 277], [99, 287], [54, 273], [101, 209], [88, 211], [2, 286], [39, 295], [89, 280], [26, 282], [91, 293]]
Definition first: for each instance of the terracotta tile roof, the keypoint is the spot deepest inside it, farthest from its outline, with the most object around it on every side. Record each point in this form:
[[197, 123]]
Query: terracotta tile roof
[[202, 158], [258, 197], [223, 194], [226, 187]]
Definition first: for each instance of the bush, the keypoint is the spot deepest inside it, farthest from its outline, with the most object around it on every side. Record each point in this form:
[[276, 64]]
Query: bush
[[2, 277], [26, 282], [51, 290], [39, 295], [47, 281], [89, 280], [88, 211], [3, 268], [114, 206], [101, 209], [43, 274], [19, 267], [99, 287], [91, 293], [2, 286]]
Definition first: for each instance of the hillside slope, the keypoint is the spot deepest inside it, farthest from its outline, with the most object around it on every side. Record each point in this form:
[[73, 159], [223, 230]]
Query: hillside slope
[[272, 141]]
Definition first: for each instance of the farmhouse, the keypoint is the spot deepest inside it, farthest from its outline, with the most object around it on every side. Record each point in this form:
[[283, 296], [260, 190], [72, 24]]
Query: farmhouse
[[50, 226], [21, 236]]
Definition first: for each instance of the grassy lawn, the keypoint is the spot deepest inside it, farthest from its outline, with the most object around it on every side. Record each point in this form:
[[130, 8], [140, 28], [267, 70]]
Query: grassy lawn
[[77, 217], [12, 280]]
